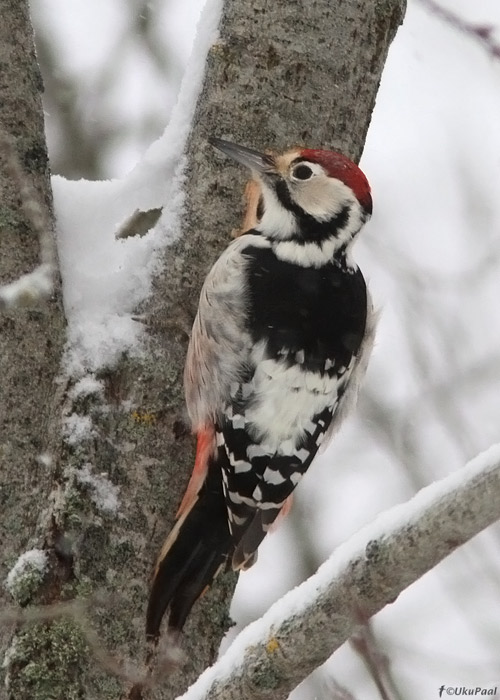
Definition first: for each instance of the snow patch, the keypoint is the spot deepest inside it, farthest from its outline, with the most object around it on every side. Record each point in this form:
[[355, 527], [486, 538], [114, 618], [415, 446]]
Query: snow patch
[[86, 386], [33, 562], [105, 279], [104, 493], [77, 428], [29, 289], [45, 459]]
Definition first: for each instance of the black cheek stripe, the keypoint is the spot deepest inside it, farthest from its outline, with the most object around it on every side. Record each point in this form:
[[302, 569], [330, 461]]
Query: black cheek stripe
[[310, 229]]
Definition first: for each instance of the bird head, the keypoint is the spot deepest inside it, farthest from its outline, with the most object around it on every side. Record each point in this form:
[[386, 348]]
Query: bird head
[[307, 194]]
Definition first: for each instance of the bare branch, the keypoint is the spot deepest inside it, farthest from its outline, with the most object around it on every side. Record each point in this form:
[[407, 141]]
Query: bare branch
[[33, 287], [365, 644], [482, 33], [271, 656]]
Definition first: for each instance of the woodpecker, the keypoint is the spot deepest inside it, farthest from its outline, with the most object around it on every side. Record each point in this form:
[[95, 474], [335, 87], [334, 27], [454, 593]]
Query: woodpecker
[[279, 345]]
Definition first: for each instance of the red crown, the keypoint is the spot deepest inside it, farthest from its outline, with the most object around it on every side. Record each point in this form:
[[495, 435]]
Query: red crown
[[340, 167]]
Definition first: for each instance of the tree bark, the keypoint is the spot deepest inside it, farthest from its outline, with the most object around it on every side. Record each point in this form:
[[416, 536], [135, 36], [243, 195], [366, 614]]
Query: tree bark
[[30, 340], [281, 73]]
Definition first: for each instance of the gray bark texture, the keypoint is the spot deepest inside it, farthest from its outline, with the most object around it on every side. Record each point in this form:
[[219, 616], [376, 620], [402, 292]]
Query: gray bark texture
[[282, 73], [30, 339], [379, 568]]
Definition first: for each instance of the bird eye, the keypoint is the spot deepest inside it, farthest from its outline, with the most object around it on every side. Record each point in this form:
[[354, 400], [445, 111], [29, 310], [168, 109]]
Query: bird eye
[[302, 172]]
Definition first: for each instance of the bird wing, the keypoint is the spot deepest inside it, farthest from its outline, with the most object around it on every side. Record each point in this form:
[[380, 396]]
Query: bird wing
[[220, 344], [349, 398]]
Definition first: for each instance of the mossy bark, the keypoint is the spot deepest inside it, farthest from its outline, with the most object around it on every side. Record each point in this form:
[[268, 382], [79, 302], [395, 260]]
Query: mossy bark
[[30, 340]]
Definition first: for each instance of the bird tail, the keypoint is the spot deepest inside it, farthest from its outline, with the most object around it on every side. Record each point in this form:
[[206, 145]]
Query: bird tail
[[194, 552]]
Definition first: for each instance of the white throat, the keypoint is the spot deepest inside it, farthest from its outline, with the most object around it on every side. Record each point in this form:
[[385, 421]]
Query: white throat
[[276, 222]]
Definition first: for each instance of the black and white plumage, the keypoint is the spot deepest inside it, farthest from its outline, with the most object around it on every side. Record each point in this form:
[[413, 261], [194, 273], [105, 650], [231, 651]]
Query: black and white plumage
[[279, 345]]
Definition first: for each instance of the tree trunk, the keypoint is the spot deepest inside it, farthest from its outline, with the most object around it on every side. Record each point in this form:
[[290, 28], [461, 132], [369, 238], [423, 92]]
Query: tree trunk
[[281, 73], [31, 340]]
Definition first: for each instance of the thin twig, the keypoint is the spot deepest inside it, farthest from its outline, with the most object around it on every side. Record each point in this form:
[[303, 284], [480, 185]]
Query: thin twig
[[37, 285], [483, 33], [365, 644], [77, 611]]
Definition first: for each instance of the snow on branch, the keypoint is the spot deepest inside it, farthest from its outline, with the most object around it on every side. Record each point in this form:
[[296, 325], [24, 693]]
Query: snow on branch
[[37, 285], [274, 654]]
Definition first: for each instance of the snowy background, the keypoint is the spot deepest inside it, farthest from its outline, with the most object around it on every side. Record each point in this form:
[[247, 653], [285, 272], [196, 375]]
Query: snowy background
[[431, 254]]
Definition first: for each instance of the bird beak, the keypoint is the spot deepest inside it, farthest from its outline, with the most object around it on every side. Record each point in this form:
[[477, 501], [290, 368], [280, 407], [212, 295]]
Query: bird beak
[[261, 163]]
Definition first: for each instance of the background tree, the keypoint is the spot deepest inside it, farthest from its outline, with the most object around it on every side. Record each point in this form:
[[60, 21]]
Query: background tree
[[31, 339]]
